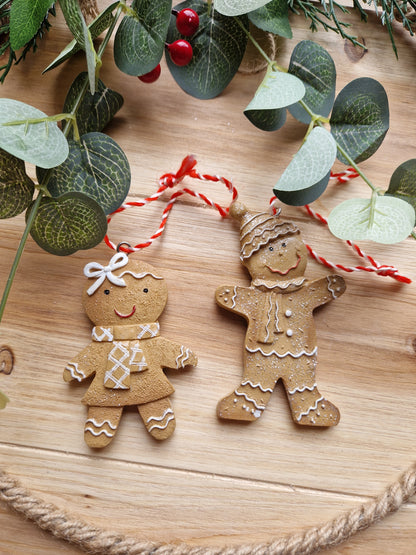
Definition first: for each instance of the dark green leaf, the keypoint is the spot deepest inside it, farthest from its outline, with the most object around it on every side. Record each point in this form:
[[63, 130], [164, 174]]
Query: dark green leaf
[[218, 48], [315, 67], [95, 111], [360, 118], [97, 167], [273, 18], [26, 18], [267, 120], [73, 17], [140, 41], [96, 27], [303, 196], [238, 7], [16, 188], [403, 182], [69, 223]]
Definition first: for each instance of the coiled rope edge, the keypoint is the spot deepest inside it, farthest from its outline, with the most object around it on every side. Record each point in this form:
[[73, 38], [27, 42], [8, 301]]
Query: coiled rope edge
[[92, 539]]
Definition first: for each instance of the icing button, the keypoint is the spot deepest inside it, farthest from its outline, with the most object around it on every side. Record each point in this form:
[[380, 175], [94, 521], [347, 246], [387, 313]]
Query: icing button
[[289, 333], [288, 313]]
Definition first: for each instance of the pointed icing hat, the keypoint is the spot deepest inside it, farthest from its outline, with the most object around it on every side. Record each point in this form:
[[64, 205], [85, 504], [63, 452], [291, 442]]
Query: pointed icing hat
[[258, 228]]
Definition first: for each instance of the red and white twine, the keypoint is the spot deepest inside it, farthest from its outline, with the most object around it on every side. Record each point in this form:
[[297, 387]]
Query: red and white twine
[[187, 169]]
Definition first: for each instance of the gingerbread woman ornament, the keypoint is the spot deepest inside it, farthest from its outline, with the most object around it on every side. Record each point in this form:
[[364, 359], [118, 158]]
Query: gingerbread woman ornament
[[127, 355], [278, 306]]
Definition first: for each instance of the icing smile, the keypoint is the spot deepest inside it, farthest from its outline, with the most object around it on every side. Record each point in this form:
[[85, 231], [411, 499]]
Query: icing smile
[[125, 315], [286, 271]]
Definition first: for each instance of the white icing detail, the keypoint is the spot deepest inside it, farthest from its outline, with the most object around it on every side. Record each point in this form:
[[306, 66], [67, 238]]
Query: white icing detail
[[288, 313], [260, 407], [99, 424], [254, 385], [159, 418], [257, 413], [288, 353], [89, 429], [312, 407], [234, 297], [96, 270], [118, 363], [268, 321], [289, 332], [182, 357], [279, 284], [106, 333], [151, 329], [302, 389], [328, 278], [139, 276], [75, 372], [172, 417]]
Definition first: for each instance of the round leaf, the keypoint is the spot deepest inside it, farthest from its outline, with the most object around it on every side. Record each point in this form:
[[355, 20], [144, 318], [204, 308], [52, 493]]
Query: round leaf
[[238, 7], [314, 66], [382, 219], [277, 90], [69, 223], [360, 118], [218, 49], [273, 18], [95, 111], [140, 41], [311, 163], [42, 144], [403, 182], [96, 167], [304, 196], [16, 188], [267, 120]]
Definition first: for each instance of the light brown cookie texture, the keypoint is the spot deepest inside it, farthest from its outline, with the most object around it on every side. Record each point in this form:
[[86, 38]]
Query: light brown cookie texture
[[127, 355], [278, 306]]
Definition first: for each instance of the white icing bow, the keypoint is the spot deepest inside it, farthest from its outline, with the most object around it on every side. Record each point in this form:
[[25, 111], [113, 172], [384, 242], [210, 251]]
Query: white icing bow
[[96, 270]]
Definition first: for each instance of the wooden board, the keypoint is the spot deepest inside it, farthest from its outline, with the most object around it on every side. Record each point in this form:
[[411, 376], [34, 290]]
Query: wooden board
[[213, 482]]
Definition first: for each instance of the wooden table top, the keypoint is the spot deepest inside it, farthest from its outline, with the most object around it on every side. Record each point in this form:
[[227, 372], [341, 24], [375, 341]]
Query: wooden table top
[[214, 482]]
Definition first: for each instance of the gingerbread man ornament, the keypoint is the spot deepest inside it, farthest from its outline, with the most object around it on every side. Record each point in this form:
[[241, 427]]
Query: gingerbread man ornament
[[278, 307], [127, 354]]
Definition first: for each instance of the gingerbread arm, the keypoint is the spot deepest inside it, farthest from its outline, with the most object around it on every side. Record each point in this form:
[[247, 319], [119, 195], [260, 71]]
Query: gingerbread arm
[[174, 355], [235, 298], [326, 289], [82, 366]]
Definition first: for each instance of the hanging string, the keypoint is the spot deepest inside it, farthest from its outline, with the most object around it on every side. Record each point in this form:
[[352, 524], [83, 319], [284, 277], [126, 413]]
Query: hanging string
[[170, 180], [187, 169]]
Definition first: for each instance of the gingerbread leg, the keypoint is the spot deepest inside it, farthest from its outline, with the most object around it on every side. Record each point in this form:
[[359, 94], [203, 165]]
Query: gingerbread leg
[[308, 406], [101, 425], [159, 418], [248, 401]]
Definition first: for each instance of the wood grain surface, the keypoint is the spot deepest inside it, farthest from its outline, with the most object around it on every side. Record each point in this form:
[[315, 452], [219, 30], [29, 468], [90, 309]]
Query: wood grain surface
[[213, 482]]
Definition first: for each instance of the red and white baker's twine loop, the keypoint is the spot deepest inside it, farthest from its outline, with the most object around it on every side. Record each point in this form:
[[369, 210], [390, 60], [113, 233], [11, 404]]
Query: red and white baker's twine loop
[[187, 169]]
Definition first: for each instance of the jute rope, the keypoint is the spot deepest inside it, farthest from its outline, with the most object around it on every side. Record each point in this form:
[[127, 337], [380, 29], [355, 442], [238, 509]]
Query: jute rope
[[97, 540]]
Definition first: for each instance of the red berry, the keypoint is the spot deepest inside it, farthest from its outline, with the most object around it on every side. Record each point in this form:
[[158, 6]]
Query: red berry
[[180, 52], [187, 22], [152, 76]]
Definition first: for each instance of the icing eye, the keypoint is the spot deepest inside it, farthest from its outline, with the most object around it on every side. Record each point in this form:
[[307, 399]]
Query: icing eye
[[106, 291], [284, 244], [145, 290], [271, 249]]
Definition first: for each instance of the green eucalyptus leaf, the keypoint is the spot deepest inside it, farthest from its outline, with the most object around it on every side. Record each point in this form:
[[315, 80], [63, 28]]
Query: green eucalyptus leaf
[[68, 223], [382, 219], [277, 90], [96, 167], [403, 182], [74, 18], [96, 27], [310, 164], [95, 111], [273, 18], [42, 144], [314, 66], [140, 39], [26, 17], [304, 196], [3, 400], [16, 187], [267, 120], [218, 49], [360, 118], [238, 7]]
